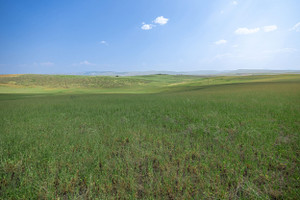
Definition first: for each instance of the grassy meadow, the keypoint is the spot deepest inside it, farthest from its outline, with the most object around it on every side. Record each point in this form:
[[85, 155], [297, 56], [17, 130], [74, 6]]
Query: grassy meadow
[[149, 137]]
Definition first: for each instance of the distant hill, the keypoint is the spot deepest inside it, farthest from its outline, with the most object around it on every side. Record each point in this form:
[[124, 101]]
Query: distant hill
[[200, 72], [261, 71]]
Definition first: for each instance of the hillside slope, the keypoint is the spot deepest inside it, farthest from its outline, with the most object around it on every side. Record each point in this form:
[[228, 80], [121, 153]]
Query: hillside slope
[[30, 83]]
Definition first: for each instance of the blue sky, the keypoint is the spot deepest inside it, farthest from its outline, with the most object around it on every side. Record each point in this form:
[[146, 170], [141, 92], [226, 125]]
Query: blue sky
[[67, 36]]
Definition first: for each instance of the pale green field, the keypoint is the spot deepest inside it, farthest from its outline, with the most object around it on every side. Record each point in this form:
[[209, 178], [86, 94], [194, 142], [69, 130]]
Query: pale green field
[[135, 84]]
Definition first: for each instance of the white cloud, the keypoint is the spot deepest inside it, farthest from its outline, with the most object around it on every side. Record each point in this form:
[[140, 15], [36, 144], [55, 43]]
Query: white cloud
[[270, 28], [147, 26], [221, 42], [246, 31], [296, 27], [234, 2], [161, 20]]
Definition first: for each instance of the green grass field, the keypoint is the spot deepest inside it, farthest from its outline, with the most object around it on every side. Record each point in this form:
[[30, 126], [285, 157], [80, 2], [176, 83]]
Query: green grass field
[[149, 137]]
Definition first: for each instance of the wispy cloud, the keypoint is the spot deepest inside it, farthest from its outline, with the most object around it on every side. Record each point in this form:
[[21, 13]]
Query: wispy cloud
[[234, 3], [147, 26], [246, 31], [47, 63], [270, 28], [43, 64], [221, 56], [282, 50], [85, 62], [296, 27], [103, 42], [219, 42], [161, 20]]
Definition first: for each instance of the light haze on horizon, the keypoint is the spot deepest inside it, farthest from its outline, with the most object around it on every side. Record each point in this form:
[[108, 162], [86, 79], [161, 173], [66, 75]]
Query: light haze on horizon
[[69, 36]]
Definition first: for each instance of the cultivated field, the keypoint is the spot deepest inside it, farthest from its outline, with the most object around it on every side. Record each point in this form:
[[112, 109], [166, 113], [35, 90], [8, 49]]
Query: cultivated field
[[149, 137]]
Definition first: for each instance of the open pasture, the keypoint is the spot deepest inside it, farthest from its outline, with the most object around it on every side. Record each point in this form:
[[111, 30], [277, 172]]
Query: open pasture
[[162, 137]]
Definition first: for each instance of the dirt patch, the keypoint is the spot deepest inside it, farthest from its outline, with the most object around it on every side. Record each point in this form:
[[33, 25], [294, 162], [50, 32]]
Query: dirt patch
[[10, 75]]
